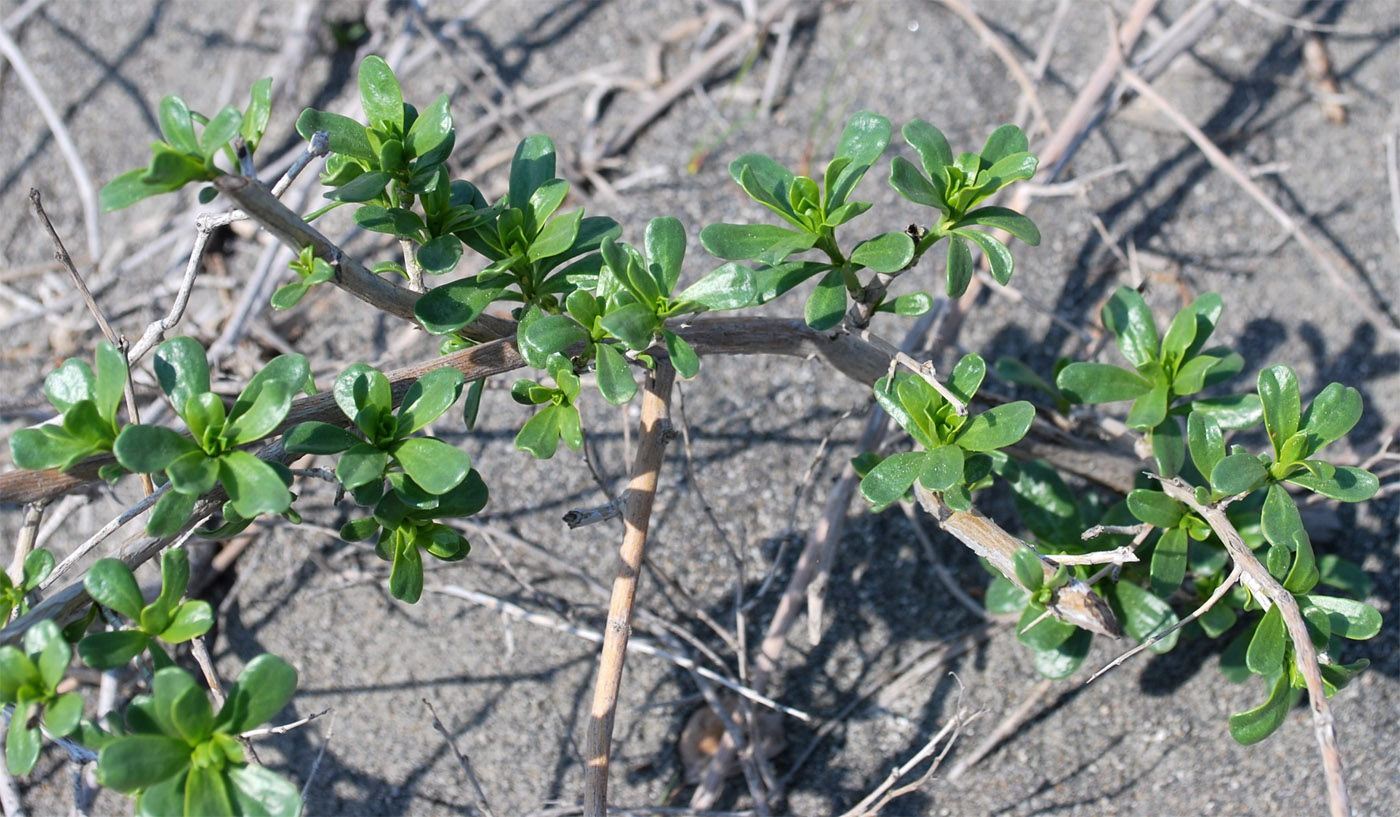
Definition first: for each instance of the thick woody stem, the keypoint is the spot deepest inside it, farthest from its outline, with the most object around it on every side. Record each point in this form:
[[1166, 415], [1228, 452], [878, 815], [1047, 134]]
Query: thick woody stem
[[641, 491]]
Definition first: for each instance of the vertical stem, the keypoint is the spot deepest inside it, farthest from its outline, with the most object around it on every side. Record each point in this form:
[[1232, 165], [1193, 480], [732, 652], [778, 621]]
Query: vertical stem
[[651, 447]]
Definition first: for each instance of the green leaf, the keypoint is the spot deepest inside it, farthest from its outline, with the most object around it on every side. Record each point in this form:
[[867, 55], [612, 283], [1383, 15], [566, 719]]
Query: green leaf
[[110, 381], [1155, 508], [364, 187], [1278, 390], [1356, 620], [428, 398], [1231, 411], [1205, 440], [889, 252], [181, 370], [1347, 484], [682, 356], [998, 256], [256, 115], [47, 447], [1333, 413], [1178, 339], [1168, 567], [555, 333], [289, 295], [1126, 315], [540, 434], [1046, 635], [1253, 725], [1004, 141], [361, 465], [455, 304], [431, 127], [929, 143], [129, 188], [70, 384], [347, 137], [943, 468], [557, 237], [665, 252], [1238, 474], [731, 286], [1029, 569], [1003, 218], [206, 792], [959, 266], [62, 715], [767, 183], [1100, 383], [634, 324], [176, 125], [863, 141], [220, 130], [737, 242], [909, 305], [439, 256], [111, 584], [253, 486], [891, 479], [918, 395], [21, 744], [914, 186], [315, 437], [1062, 661], [1143, 615], [1281, 523], [135, 762], [1168, 447], [37, 566], [171, 513], [192, 716], [1004, 597], [406, 575], [258, 790], [192, 619], [254, 420], [1344, 575], [615, 380], [1044, 502], [380, 95], [433, 464], [532, 166], [542, 204], [826, 306], [996, 427], [391, 220], [263, 687], [1266, 648]]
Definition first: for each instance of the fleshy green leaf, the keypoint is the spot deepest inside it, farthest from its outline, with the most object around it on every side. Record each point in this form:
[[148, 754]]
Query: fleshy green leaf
[[1253, 725], [827, 304], [181, 370], [134, 762], [615, 380], [253, 486], [998, 256], [1356, 620], [959, 266], [259, 790], [262, 689], [111, 584], [1155, 508], [634, 324], [1168, 567], [1205, 440], [1100, 383], [889, 252], [996, 427], [1126, 315], [943, 468], [380, 96], [1238, 474], [1347, 484], [1003, 218], [1266, 648], [891, 479], [109, 650], [1062, 661], [433, 464], [737, 242], [428, 398], [1046, 635], [315, 437], [731, 286], [682, 356], [1333, 413], [1143, 615], [1278, 389]]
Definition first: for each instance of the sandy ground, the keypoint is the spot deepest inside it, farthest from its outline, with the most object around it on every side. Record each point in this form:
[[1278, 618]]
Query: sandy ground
[[1149, 738]]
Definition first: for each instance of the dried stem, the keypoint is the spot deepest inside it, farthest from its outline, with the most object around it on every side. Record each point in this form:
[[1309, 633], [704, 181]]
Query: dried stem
[[1305, 653], [641, 492]]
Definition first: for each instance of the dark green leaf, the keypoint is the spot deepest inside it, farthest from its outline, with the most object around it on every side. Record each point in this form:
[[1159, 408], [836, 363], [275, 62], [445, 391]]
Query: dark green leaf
[[171, 513], [1266, 649], [111, 584], [1329, 417], [315, 437], [682, 356], [1205, 441], [767, 182], [929, 143], [914, 186], [262, 689], [47, 447], [347, 137], [391, 220], [998, 256], [910, 304], [181, 370], [863, 141], [253, 486], [129, 188], [996, 427], [943, 468], [1168, 447], [891, 479], [889, 252], [1155, 508], [634, 324], [731, 286], [192, 618], [770, 282], [259, 790], [540, 434], [1168, 567], [736, 242], [37, 566], [1044, 502], [428, 398], [62, 715], [193, 473], [439, 256], [1004, 141], [1278, 390], [380, 96], [1253, 725], [406, 575], [254, 420], [1356, 620], [135, 762], [1062, 661], [827, 304], [1143, 615], [433, 464], [176, 125], [1003, 218], [110, 380], [192, 716], [1238, 474], [256, 115], [665, 252], [430, 128], [1231, 411], [1126, 315], [455, 304], [557, 237], [1029, 569], [1347, 484], [364, 187], [1046, 635], [615, 380], [1344, 575], [959, 266], [363, 464], [1100, 383], [532, 166], [206, 792]]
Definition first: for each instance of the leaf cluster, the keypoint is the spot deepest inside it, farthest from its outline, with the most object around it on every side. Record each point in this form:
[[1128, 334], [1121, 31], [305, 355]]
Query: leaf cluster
[[111, 584], [88, 402]]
